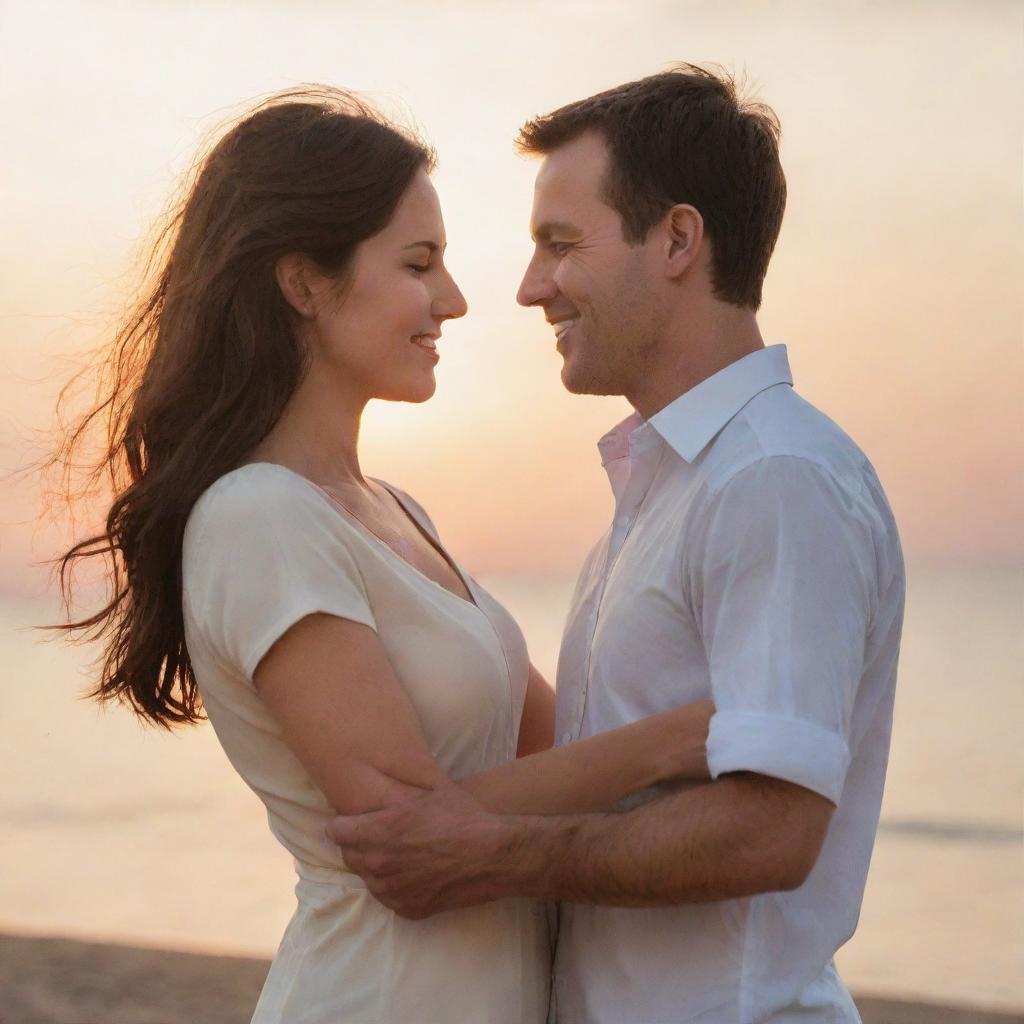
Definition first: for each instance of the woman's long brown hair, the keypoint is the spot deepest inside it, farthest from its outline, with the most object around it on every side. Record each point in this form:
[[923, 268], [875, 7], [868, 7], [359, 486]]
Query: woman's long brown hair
[[200, 368]]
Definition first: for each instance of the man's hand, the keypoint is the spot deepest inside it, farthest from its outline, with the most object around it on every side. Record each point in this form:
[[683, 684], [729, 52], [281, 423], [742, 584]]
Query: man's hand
[[741, 835], [432, 853]]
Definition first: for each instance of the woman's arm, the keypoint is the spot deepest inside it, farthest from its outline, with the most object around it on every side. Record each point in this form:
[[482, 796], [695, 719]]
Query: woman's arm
[[331, 688], [594, 774], [328, 683], [537, 722]]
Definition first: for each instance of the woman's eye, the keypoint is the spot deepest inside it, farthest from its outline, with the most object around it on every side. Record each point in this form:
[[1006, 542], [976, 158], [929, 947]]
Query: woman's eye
[[418, 268]]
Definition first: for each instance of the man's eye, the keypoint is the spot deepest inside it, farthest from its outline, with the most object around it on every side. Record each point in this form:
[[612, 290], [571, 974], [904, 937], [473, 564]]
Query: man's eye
[[560, 248]]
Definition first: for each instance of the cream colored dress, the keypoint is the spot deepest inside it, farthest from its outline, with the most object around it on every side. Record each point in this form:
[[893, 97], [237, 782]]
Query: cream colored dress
[[263, 548]]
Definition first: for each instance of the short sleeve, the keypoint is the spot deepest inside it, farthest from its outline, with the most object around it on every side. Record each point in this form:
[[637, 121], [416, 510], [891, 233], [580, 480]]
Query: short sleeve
[[262, 550], [785, 586]]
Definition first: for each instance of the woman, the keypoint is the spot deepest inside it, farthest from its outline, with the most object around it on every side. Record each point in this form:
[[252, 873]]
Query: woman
[[343, 657]]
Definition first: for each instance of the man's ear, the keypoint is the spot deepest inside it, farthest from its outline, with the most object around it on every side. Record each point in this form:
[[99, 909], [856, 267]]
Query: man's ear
[[684, 236], [293, 275]]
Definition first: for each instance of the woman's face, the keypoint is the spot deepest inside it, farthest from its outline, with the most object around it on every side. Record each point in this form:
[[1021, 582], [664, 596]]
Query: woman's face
[[380, 338]]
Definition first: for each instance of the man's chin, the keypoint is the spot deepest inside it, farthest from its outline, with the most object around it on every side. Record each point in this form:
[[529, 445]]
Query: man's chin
[[577, 381]]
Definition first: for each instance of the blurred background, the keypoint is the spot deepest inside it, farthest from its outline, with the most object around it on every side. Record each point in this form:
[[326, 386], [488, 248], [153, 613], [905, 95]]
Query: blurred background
[[896, 285]]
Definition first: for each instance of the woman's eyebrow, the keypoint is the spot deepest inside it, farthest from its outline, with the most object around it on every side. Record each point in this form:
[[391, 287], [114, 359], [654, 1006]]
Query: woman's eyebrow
[[432, 246]]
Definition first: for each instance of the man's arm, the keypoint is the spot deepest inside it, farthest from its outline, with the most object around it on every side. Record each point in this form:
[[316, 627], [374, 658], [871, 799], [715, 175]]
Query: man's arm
[[782, 579], [740, 835]]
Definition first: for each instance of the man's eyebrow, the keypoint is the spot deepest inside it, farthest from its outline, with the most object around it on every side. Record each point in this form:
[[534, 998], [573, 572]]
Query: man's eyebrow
[[432, 246], [544, 231]]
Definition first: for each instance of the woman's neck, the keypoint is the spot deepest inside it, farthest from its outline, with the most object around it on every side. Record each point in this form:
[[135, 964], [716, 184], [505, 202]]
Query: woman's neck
[[317, 436]]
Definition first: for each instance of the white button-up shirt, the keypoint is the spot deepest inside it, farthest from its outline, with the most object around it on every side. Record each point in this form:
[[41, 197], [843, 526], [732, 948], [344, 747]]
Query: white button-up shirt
[[752, 559]]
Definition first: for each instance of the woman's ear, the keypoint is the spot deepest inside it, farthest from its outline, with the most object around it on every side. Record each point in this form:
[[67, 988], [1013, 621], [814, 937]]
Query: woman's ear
[[293, 278], [684, 235]]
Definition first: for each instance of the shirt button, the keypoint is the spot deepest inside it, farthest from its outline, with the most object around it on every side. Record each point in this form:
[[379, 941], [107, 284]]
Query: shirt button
[[566, 737]]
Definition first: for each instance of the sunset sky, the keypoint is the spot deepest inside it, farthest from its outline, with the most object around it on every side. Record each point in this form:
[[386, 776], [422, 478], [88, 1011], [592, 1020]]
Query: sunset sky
[[896, 282]]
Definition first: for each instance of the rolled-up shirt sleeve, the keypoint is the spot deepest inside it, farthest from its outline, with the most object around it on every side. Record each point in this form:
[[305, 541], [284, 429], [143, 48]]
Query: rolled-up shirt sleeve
[[784, 585]]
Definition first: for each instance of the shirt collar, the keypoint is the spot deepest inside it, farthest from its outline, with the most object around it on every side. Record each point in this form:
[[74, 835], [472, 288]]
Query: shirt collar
[[690, 422], [615, 444]]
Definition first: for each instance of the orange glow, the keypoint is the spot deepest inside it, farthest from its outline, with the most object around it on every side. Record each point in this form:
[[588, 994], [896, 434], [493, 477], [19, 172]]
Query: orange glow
[[895, 284]]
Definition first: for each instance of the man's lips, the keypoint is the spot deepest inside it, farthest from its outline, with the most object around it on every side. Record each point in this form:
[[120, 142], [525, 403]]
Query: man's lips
[[561, 326]]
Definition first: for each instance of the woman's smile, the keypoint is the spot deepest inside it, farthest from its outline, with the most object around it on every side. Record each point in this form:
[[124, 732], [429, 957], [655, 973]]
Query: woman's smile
[[427, 342]]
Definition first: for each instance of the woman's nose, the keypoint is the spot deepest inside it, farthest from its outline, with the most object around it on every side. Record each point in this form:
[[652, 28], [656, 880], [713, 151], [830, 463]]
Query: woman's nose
[[452, 304]]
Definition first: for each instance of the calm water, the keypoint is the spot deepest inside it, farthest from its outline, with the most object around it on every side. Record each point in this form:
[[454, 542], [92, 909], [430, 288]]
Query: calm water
[[117, 832]]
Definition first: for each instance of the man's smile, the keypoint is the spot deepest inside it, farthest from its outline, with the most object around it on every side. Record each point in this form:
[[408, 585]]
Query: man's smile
[[562, 326]]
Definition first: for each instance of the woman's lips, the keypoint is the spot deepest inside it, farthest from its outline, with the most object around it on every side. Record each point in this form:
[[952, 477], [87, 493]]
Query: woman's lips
[[427, 343]]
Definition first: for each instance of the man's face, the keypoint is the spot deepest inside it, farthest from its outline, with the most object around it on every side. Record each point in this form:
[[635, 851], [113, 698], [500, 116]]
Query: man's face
[[595, 289]]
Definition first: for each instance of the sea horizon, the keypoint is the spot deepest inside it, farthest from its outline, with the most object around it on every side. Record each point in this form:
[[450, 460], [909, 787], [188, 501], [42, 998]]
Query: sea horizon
[[120, 833]]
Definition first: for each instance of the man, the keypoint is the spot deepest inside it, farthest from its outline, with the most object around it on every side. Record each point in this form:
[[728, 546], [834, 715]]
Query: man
[[752, 558]]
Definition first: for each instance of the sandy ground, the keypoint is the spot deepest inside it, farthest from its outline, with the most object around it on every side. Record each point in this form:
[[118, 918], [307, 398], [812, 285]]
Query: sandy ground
[[61, 981], [64, 981]]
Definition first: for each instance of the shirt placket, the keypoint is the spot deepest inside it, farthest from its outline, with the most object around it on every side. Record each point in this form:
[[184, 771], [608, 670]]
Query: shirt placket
[[644, 451]]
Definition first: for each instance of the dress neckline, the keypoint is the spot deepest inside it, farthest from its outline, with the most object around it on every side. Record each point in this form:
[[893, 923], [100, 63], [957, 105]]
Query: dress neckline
[[358, 524]]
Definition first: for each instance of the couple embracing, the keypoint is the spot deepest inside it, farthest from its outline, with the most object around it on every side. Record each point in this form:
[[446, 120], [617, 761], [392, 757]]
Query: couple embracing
[[680, 830]]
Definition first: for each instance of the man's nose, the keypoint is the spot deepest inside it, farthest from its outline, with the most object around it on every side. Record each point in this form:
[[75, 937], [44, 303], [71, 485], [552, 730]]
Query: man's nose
[[536, 287]]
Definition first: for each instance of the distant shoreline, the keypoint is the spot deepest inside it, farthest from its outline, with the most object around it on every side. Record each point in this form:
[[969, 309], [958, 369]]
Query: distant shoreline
[[67, 981]]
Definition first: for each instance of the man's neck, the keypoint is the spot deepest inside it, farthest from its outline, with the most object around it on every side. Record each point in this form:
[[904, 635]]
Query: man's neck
[[693, 351]]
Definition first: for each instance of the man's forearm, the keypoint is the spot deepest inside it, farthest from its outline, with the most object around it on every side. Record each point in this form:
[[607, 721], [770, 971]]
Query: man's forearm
[[740, 835], [736, 837]]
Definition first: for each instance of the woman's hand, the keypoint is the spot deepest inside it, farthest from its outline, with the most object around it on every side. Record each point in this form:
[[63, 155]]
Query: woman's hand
[[685, 740]]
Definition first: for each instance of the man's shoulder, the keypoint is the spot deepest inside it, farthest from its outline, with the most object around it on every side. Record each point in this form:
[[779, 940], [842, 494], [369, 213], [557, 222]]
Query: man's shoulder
[[779, 424]]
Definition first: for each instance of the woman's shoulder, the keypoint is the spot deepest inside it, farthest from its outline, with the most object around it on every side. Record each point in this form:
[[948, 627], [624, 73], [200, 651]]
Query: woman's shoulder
[[257, 492]]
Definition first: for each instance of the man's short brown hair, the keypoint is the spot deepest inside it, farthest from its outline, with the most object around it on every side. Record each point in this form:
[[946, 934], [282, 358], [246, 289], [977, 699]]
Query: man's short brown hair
[[684, 136]]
